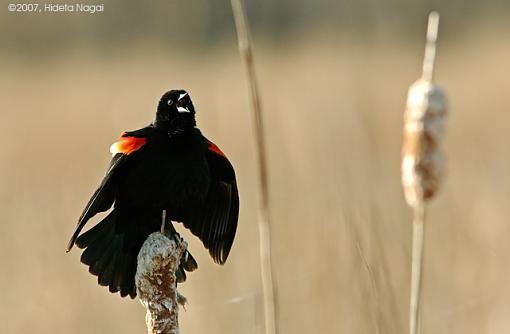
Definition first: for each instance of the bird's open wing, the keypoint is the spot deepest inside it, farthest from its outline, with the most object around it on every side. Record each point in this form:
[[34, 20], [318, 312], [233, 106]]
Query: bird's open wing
[[104, 196], [215, 220]]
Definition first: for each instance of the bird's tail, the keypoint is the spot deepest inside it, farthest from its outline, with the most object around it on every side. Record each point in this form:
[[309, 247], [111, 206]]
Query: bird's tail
[[112, 246]]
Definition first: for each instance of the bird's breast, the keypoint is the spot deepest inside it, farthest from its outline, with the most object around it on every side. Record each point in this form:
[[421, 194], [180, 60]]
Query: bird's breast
[[165, 179]]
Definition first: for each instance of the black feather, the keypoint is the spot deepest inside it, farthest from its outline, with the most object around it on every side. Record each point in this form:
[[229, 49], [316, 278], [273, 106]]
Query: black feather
[[102, 199], [98, 246], [215, 219]]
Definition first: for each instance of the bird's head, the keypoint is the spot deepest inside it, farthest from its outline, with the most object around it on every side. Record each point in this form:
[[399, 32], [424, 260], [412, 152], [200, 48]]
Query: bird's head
[[176, 112]]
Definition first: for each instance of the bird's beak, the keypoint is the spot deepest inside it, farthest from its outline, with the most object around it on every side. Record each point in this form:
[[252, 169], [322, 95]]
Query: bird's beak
[[182, 109]]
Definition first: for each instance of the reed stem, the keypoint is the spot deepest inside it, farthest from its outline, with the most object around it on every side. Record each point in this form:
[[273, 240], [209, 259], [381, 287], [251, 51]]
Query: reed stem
[[246, 53]]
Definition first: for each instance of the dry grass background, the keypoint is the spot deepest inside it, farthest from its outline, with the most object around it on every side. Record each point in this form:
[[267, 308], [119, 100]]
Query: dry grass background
[[341, 227]]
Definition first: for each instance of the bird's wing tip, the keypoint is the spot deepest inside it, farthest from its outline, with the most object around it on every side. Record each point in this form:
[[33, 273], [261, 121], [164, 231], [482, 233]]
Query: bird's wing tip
[[69, 246]]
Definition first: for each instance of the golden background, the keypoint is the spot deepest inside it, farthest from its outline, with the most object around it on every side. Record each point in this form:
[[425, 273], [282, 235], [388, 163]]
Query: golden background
[[333, 81]]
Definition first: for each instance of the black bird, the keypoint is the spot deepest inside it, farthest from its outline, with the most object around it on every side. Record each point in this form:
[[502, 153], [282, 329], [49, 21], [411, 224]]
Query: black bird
[[167, 165]]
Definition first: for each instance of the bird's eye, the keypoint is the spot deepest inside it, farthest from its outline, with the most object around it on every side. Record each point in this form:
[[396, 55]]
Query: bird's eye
[[170, 102]]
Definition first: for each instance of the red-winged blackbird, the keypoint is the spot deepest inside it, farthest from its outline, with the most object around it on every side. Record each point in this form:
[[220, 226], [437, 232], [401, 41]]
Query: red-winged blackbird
[[168, 165]]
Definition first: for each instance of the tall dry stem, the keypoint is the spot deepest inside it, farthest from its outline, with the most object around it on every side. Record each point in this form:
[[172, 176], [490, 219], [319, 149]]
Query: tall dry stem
[[245, 50], [422, 159]]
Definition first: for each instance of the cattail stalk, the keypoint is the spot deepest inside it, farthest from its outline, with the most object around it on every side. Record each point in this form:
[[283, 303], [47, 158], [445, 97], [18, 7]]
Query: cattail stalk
[[245, 51], [422, 159], [156, 282]]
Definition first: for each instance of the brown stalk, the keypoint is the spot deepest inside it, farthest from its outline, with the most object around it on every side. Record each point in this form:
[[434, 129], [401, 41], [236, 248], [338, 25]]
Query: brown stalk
[[246, 53], [422, 159]]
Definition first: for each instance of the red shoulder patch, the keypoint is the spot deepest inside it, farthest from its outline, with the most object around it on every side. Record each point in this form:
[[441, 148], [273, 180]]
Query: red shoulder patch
[[212, 147], [127, 145]]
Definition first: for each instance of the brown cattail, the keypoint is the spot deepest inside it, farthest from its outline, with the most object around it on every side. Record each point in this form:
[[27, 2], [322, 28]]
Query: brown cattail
[[422, 159], [156, 281], [424, 119]]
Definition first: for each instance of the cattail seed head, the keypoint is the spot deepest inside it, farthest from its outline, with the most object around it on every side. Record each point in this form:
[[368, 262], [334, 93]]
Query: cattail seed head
[[422, 159]]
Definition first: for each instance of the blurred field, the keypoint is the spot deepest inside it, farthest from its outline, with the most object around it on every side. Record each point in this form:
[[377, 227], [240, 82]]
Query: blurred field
[[341, 232]]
